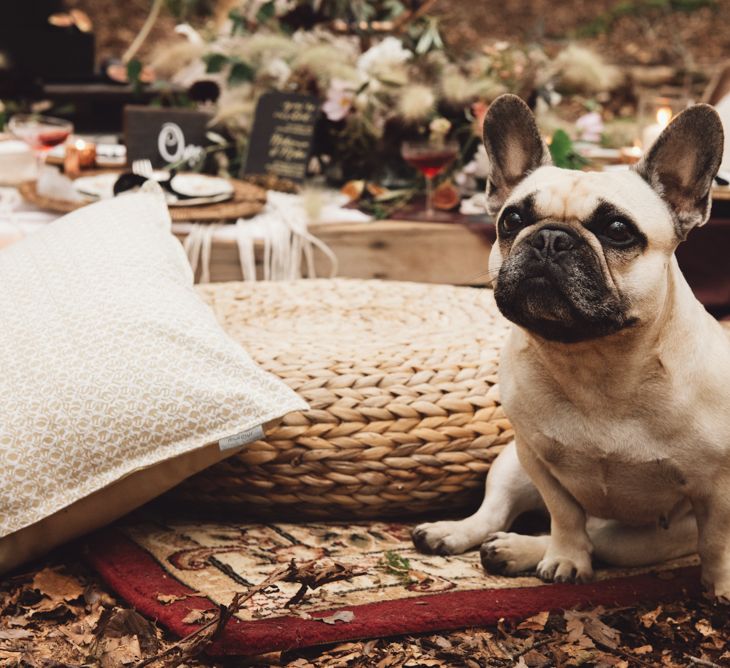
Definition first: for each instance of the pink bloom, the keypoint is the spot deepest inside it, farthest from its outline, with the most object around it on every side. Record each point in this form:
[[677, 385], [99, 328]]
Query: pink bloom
[[340, 97], [479, 109], [590, 126]]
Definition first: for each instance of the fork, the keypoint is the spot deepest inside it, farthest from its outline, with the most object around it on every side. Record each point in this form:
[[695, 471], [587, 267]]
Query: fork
[[142, 168]]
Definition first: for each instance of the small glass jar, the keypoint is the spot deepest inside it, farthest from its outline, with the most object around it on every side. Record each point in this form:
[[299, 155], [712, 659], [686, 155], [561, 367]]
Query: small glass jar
[[654, 113]]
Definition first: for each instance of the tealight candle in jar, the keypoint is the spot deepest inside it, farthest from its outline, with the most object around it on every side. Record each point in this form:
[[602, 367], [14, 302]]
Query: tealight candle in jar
[[80, 155], [655, 111], [651, 132], [87, 153], [72, 159]]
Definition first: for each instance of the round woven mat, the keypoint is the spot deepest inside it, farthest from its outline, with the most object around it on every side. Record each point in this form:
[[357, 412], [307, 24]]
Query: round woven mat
[[401, 381], [248, 200]]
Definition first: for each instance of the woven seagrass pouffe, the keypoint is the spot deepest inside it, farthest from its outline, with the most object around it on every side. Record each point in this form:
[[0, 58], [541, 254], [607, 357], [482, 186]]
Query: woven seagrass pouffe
[[401, 381]]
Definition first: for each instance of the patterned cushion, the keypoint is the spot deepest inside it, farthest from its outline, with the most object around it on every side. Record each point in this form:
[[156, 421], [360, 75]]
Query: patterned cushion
[[111, 364]]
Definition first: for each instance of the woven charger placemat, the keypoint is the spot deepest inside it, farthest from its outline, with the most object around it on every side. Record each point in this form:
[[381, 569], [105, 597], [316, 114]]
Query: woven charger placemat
[[401, 381], [248, 200]]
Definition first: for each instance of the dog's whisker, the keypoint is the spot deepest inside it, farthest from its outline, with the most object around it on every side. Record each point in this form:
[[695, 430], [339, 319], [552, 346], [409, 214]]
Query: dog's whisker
[[488, 273]]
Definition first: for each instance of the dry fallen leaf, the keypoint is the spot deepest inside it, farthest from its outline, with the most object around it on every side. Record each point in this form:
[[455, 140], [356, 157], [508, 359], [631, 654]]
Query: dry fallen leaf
[[56, 589], [57, 586], [95, 596], [705, 628], [166, 599], [119, 623], [600, 632], [116, 652], [15, 634], [11, 654], [644, 649], [535, 623], [341, 616], [588, 622], [199, 616], [573, 625], [316, 573], [649, 619]]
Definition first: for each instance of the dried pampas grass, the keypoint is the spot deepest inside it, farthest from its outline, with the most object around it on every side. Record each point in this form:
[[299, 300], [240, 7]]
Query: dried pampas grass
[[457, 89], [580, 70], [169, 58], [235, 108], [326, 62], [416, 102], [256, 49], [549, 122]]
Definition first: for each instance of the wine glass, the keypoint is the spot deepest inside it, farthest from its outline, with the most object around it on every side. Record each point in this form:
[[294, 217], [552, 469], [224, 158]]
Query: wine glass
[[41, 133], [430, 157]]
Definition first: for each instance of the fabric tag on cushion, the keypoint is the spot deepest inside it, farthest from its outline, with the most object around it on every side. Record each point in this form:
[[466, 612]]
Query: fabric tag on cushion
[[239, 440]]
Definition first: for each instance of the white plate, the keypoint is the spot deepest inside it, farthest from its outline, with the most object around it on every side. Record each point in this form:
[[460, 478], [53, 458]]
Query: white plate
[[201, 185], [101, 186]]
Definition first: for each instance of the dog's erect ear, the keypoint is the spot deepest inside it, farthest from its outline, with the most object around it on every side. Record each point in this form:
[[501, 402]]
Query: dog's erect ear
[[682, 163], [514, 147]]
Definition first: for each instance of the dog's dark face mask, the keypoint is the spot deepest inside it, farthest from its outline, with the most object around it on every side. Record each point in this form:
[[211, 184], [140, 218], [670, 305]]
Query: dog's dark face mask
[[556, 275], [553, 285]]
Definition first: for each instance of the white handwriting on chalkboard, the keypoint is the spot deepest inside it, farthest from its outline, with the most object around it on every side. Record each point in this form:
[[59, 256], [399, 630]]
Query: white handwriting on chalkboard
[[287, 148], [172, 148], [296, 111]]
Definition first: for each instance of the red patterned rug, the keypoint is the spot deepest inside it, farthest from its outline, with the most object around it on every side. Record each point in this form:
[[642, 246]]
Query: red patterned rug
[[177, 571]]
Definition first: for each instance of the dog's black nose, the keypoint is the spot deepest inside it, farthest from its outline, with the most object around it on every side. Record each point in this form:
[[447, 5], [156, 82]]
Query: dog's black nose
[[552, 242]]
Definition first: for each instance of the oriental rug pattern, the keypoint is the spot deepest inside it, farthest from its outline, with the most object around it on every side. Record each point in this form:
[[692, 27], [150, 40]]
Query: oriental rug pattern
[[170, 570]]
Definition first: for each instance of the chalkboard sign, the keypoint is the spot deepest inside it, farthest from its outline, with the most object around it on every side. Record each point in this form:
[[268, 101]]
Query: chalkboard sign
[[164, 135], [281, 137]]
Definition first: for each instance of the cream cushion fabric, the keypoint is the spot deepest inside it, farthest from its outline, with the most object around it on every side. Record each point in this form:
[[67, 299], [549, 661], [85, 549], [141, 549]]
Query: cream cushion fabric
[[110, 364]]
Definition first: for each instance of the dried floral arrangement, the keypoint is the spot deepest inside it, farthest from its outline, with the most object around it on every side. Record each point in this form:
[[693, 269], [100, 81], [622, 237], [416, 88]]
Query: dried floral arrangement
[[382, 75]]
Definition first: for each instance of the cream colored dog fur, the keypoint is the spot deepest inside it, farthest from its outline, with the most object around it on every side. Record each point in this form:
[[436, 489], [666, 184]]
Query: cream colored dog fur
[[616, 379]]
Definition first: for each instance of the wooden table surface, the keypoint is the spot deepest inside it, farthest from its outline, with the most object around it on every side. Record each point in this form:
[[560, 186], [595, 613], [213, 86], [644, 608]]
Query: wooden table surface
[[458, 254], [386, 249]]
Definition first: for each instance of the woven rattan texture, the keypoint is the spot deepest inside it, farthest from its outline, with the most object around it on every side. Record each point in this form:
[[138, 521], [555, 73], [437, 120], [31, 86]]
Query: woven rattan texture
[[401, 380]]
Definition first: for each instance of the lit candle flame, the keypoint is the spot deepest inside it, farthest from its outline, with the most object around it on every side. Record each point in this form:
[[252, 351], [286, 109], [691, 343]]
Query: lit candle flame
[[663, 116]]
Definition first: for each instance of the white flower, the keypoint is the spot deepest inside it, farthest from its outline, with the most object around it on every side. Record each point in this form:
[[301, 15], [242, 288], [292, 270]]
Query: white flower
[[439, 127], [192, 35], [384, 55], [590, 127], [479, 165], [340, 97], [278, 70]]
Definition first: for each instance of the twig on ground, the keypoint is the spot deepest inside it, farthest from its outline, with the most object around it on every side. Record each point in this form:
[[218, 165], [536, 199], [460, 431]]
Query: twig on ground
[[702, 662], [310, 575], [194, 642]]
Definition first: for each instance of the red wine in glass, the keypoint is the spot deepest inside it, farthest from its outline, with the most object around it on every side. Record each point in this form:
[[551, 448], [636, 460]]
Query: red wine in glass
[[430, 163], [41, 133], [430, 158], [50, 138]]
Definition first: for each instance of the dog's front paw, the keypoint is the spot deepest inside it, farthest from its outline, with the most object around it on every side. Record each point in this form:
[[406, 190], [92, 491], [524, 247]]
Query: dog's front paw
[[511, 553], [441, 538], [573, 566]]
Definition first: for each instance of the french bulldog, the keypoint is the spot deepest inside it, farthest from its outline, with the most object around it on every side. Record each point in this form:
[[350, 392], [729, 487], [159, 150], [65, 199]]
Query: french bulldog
[[615, 378]]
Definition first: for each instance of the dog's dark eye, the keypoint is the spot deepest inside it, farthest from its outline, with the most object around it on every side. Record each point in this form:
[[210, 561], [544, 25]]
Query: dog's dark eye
[[510, 222], [619, 233]]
